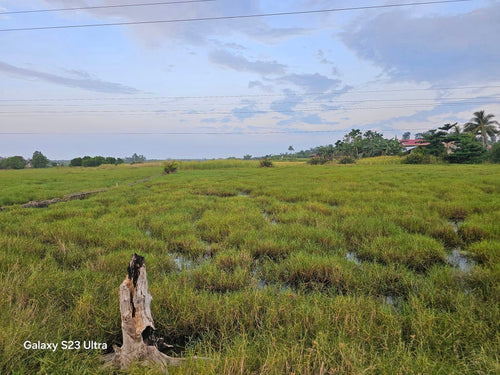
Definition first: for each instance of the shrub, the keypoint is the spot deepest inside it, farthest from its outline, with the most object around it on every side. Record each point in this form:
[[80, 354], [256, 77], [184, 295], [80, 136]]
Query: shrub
[[417, 158], [266, 163], [170, 167], [347, 160], [14, 162], [315, 160], [495, 153]]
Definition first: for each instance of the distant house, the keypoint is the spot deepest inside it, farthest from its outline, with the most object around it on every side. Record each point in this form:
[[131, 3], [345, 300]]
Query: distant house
[[411, 144]]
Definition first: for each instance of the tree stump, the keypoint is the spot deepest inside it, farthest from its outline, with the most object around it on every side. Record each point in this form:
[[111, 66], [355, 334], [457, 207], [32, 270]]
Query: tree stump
[[140, 343]]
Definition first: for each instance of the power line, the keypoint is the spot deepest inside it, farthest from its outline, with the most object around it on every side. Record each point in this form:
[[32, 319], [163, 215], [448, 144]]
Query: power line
[[235, 17], [105, 6], [297, 102], [246, 96], [211, 113], [180, 133]]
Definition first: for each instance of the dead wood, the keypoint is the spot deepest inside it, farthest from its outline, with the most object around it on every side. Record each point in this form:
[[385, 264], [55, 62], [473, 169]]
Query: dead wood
[[140, 343]]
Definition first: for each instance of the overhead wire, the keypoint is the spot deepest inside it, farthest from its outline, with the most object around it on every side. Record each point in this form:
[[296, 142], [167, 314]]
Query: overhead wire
[[249, 95], [241, 16], [105, 6]]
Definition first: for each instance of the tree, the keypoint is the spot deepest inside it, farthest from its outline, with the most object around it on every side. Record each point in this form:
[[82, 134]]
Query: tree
[[468, 151], [482, 125], [14, 162], [247, 157], [406, 136], [39, 160], [76, 162]]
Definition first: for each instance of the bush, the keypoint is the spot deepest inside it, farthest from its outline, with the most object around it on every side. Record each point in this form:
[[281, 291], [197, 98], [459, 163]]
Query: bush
[[347, 160], [266, 163], [170, 167], [14, 162], [495, 153], [315, 160], [417, 158]]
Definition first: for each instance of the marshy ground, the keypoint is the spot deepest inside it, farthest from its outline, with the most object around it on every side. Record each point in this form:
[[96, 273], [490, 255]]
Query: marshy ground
[[294, 269]]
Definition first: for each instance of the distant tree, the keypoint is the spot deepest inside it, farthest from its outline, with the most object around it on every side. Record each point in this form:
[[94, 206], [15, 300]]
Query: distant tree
[[436, 138], [468, 151], [76, 162], [110, 160], [13, 162], [419, 136], [495, 153], [448, 126], [136, 159], [265, 163], [482, 125], [406, 136], [247, 157], [39, 160], [119, 161]]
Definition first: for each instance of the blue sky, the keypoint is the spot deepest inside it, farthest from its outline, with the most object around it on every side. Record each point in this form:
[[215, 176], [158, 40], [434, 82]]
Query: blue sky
[[241, 86]]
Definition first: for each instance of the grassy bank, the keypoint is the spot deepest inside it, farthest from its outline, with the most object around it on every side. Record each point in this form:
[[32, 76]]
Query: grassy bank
[[378, 269]]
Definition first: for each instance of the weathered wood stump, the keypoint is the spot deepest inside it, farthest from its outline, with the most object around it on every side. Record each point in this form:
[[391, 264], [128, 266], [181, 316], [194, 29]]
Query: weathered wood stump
[[140, 343]]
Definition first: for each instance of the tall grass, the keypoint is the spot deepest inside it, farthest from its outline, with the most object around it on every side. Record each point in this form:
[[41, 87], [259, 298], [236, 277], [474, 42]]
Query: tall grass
[[254, 267]]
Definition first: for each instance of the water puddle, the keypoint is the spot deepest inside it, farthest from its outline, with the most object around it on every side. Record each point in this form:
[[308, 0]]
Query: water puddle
[[458, 260], [266, 216], [351, 256], [392, 300], [456, 224], [243, 194], [184, 263]]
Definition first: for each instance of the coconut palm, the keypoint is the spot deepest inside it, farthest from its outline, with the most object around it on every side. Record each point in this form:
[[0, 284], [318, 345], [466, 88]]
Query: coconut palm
[[482, 124]]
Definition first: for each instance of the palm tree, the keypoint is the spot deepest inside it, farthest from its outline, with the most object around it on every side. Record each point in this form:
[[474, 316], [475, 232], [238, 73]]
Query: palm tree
[[482, 124]]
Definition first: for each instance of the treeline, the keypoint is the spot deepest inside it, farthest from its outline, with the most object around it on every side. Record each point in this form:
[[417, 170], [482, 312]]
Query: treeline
[[38, 160], [472, 143], [354, 145], [88, 161]]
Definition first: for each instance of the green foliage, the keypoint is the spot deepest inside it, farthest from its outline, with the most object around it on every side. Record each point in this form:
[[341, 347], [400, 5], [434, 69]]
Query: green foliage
[[13, 162], [247, 157], [135, 159], [88, 161], [170, 167], [39, 160], [347, 160], [482, 125], [417, 158], [468, 151], [315, 160], [76, 162], [494, 153], [265, 163]]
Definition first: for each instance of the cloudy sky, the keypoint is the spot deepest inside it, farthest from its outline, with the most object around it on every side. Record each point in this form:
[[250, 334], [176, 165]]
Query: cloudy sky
[[232, 86]]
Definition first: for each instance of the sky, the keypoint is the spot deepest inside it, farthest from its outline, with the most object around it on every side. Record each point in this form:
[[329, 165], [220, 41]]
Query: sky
[[229, 87]]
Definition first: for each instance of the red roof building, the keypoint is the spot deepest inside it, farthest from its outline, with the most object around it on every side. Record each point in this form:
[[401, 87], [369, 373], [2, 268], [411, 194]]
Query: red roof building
[[410, 144]]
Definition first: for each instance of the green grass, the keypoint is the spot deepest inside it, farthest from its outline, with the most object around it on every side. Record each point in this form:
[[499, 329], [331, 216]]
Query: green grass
[[248, 266]]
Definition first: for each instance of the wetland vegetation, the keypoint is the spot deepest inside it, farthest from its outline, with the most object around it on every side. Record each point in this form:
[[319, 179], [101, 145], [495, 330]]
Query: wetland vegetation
[[375, 268]]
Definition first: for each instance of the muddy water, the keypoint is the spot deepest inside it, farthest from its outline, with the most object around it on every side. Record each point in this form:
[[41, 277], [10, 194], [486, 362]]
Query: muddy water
[[351, 256], [457, 260]]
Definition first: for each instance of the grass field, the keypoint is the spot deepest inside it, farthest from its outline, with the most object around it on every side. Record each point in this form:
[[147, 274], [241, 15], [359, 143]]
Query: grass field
[[378, 268]]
